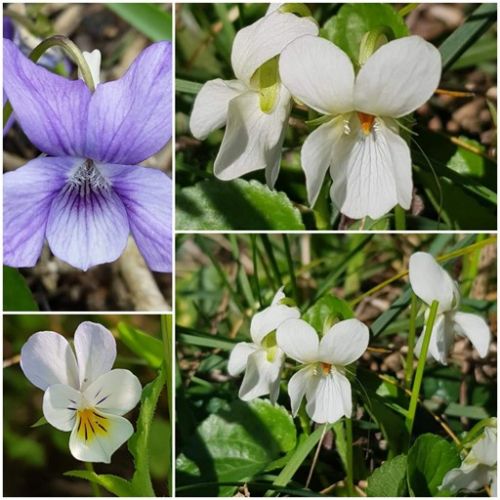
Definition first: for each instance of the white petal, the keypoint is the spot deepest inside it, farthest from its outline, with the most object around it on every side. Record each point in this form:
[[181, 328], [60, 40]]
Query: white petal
[[319, 74], [95, 444], [363, 173], [116, 392], [47, 359], [261, 374], [398, 78], [211, 104], [298, 340], [344, 343], [239, 357], [297, 387], [94, 61], [440, 342], [493, 476], [464, 479], [330, 399], [95, 349], [60, 403], [270, 319], [253, 139], [265, 39], [485, 449], [475, 329], [431, 282], [279, 295], [316, 156]]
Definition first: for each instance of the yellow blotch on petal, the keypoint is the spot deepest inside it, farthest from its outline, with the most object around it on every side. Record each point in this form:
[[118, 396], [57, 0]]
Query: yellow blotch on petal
[[326, 368], [91, 424], [367, 122]]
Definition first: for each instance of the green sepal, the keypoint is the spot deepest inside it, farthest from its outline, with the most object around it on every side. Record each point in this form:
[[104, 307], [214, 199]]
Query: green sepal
[[269, 85]]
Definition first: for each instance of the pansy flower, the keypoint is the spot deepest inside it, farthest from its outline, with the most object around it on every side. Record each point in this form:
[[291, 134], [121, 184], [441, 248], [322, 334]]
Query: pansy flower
[[369, 162], [255, 106], [431, 282], [322, 379], [86, 193], [262, 360], [83, 395]]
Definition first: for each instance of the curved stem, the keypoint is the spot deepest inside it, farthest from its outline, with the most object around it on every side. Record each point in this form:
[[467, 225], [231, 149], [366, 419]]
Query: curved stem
[[419, 375], [166, 333], [71, 50], [316, 455], [441, 258], [349, 449], [411, 340]]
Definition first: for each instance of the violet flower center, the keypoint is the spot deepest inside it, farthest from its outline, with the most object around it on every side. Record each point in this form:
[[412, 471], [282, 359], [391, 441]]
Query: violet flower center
[[87, 178]]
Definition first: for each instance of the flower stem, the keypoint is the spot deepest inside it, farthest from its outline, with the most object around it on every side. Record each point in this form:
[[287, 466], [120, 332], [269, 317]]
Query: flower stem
[[316, 455], [411, 340], [441, 258], [166, 333], [410, 416], [404, 11], [96, 491], [349, 471], [400, 218], [71, 50]]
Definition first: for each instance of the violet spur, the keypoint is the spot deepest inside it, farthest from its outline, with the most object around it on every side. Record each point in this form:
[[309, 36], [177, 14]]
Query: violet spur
[[87, 194]]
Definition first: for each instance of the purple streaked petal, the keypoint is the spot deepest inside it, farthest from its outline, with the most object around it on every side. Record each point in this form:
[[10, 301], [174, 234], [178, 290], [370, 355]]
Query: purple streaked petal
[[87, 225], [130, 118], [52, 110], [147, 196], [8, 28], [27, 196]]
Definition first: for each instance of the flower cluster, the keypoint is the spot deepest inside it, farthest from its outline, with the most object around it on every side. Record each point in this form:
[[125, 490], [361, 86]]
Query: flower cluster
[[83, 394], [278, 332], [86, 194], [280, 56]]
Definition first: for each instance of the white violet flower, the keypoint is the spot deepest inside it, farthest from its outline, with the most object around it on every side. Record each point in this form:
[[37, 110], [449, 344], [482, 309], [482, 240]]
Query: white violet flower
[[255, 107], [322, 380], [262, 360], [431, 282], [369, 162], [83, 394], [479, 468]]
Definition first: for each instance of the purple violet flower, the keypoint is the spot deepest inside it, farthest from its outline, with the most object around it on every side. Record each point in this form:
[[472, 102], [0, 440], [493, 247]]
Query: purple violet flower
[[88, 194]]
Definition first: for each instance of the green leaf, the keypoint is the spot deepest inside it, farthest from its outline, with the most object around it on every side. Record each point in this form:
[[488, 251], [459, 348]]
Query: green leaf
[[239, 204], [467, 162], [16, 294], [234, 445], [327, 310], [41, 421], [354, 20], [114, 484], [148, 18], [187, 87], [465, 36], [144, 345], [429, 459], [389, 480], [139, 442], [194, 337]]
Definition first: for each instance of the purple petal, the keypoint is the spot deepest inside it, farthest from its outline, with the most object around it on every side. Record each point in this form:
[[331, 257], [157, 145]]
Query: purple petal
[[130, 118], [52, 110], [27, 195], [8, 28], [147, 196], [87, 223]]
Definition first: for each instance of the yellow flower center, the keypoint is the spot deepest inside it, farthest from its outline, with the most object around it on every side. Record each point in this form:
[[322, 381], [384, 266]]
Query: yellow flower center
[[91, 424], [367, 122], [326, 368]]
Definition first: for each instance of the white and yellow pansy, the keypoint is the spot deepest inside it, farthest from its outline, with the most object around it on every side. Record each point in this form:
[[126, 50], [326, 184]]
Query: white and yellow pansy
[[83, 394]]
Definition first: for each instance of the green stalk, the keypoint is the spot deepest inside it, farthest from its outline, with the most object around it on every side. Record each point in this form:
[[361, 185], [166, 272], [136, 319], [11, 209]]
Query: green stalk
[[349, 464], [270, 254], [73, 53], [441, 258], [404, 11], [400, 218], [166, 333], [291, 268], [411, 340], [419, 375], [96, 491]]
